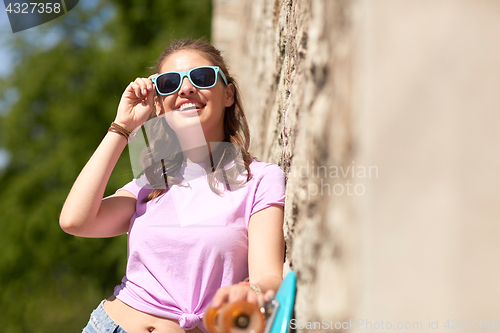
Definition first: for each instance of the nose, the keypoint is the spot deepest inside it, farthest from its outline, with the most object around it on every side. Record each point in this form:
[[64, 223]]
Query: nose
[[186, 88]]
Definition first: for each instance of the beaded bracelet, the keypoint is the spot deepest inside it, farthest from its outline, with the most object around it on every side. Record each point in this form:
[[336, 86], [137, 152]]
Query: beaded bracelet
[[115, 128], [253, 286]]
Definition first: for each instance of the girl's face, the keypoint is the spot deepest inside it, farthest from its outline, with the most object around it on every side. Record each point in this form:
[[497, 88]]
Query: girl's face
[[210, 103]]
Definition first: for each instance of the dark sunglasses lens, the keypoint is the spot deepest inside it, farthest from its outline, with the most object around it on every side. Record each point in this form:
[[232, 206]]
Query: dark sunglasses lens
[[203, 77], [168, 83]]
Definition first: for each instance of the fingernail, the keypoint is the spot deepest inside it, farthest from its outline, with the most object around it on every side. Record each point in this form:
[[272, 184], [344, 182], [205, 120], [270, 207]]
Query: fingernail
[[150, 86], [269, 296], [140, 95], [145, 92]]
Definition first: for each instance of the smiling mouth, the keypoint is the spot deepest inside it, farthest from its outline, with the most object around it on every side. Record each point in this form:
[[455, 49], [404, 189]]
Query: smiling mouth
[[189, 106]]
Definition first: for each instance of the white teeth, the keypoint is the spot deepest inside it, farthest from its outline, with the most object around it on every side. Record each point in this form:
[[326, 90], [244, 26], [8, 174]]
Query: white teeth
[[186, 106]]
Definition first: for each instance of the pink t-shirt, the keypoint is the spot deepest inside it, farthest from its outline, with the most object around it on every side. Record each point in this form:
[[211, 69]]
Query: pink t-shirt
[[189, 242]]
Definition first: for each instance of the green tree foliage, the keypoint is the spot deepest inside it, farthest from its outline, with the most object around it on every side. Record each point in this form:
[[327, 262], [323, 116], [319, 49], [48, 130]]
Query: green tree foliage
[[67, 97]]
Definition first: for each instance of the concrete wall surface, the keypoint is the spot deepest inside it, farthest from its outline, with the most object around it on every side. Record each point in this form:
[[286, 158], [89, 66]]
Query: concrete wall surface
[[384, 115]]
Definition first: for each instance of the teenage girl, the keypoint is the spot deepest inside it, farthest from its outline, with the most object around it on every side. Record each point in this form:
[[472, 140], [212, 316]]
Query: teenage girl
[[199, 222]]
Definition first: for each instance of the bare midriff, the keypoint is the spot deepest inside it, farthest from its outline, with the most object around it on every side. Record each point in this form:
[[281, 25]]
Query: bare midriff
[[135, 321]]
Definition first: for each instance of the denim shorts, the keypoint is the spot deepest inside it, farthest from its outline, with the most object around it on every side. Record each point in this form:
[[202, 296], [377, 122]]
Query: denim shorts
[[101, 322]]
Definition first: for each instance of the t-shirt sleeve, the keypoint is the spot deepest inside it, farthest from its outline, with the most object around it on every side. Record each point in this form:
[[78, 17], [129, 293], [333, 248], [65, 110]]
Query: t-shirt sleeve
[[132, 187], [270, 188]]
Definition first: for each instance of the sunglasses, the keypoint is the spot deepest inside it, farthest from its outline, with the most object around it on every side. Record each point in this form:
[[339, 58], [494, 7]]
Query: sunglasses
[[201, 77]]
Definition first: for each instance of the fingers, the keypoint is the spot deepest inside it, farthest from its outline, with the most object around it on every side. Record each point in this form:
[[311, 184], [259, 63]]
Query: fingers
[[230, 294], [269, 295], [260, 299], [219, 298], [141, 87], [136, 103], [237, 293], [252, 297]]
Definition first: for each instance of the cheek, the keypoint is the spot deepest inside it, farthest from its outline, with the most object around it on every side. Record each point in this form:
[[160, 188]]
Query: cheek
[[168, 102], [215, 97]]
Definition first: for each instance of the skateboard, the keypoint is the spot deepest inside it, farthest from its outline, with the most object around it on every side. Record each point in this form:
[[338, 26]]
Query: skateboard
[[244, 317]]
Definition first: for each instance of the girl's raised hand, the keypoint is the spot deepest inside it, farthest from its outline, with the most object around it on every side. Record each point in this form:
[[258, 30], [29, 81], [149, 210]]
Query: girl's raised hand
[[136, 103]]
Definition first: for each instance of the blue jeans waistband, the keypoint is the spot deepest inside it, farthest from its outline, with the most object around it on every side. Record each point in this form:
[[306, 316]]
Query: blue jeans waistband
[[101, 322]]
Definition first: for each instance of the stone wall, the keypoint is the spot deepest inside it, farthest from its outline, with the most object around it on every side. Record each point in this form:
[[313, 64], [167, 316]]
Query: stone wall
[[384, 116]]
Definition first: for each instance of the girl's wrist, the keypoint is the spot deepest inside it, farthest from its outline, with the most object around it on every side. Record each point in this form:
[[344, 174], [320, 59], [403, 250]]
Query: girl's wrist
[[119, 129], [254, 287], [125, 124]]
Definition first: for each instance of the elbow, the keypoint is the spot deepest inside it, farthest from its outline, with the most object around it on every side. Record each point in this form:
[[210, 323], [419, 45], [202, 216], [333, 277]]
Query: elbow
[[69, 225], [66, 225]]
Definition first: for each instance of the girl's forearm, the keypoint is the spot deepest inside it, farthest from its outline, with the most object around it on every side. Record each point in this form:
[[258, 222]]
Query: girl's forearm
[[268, 283], [84, 199]]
